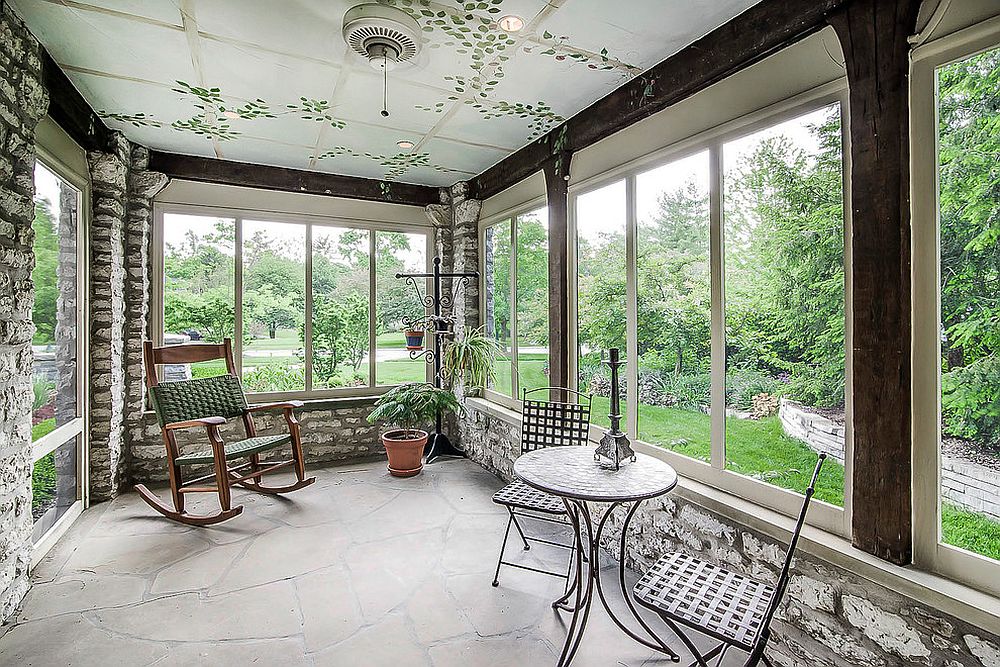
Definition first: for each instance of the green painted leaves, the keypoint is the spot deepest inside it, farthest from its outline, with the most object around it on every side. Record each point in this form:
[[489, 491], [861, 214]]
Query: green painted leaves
[[395, 165]]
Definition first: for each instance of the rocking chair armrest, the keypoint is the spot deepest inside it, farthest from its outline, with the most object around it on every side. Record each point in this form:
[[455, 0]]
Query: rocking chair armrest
[[208, 422], [283, 405]]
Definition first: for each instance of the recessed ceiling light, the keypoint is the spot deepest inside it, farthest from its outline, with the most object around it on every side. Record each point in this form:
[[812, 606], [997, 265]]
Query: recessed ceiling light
[[230, 114], [405, 144], [511, 23]]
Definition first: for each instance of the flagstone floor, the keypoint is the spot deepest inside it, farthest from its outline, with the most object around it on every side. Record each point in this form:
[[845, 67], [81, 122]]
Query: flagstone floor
[[360, 569]]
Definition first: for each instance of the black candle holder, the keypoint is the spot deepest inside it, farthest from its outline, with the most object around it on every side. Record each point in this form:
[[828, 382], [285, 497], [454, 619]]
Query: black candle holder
[[614, 446]]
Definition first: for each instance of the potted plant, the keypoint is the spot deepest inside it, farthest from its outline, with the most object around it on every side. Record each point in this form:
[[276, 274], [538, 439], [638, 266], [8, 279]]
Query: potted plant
[[414, 337], [405, 408], [472, 357]]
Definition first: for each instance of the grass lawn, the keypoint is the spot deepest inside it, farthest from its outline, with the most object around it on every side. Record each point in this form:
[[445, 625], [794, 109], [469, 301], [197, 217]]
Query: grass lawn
[[43, 428], [531, 372], [970, 530]]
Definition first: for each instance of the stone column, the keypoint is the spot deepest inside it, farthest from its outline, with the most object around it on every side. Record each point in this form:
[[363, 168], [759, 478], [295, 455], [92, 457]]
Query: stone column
[[23, 102], [67, 332], [465, 250], [109, 176]]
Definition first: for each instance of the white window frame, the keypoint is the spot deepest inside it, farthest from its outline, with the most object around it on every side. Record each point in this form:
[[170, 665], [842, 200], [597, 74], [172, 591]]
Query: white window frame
[[308, 221], [826, 516], [929, 552], [78, 427], [511, 216]]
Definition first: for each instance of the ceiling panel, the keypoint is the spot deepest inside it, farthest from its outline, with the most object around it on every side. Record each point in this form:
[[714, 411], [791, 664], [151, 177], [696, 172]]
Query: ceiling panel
[[275, 83]]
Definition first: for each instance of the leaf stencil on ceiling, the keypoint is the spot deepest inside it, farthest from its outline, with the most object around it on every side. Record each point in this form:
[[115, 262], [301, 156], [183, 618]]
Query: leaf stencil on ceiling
[[211, 104], [395, 165], [471, 29]]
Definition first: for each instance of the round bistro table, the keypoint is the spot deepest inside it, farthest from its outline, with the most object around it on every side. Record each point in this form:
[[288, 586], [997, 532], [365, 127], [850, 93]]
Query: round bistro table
[[572, 474]]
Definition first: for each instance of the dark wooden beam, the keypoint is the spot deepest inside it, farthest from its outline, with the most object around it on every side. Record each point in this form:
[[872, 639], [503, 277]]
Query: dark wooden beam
[[873, 36], [212, 170], [753, 35], [70, 111], [556, 171]]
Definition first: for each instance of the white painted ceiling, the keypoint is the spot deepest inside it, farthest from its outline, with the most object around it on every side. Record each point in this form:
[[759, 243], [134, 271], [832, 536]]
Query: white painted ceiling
[[136, 62]]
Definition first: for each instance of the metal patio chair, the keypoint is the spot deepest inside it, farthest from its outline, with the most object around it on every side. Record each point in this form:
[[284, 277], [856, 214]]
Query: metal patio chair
[[544, 423], [208, 403], [727, 606]]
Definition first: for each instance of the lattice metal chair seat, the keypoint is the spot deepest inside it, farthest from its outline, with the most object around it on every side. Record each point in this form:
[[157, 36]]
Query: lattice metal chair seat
[[730, 607], [722, 604], [544, 423], [520, 495]]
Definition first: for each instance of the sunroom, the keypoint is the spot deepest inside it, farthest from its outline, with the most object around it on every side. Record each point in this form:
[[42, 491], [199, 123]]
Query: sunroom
[[503, 332]]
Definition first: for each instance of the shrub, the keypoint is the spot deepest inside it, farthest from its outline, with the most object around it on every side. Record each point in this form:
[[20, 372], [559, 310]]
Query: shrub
[[689, 391], [742, 384], [820, 385], [274, 378], [42, 393], [970, 402]]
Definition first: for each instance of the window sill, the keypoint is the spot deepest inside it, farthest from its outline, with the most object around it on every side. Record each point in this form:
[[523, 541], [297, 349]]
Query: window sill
[[933, 590]]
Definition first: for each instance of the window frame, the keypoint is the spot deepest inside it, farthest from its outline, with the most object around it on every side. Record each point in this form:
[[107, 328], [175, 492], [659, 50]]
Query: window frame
[[511, 215], [828, 517], [56, 160], [308, 221], [929, 552]]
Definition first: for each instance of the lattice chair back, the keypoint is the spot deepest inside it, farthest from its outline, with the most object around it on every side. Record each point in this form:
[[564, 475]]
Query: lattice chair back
[[184, 400], [779, 588], [547, 423]]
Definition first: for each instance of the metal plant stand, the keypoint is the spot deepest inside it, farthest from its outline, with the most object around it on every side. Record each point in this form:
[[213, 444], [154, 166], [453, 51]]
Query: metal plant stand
[[440, 328]]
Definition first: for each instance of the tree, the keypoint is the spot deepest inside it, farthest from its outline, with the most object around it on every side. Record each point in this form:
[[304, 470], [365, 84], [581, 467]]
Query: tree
[[43, 275], [339, 335]]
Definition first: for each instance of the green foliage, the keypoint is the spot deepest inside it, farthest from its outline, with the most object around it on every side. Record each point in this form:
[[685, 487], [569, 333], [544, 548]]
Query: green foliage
[[41, 393], [43, 428], [339, 334], [970, 530], [274, 377], [472, 357], [409, 406], [43, 482], [43, 275], [969, 142]]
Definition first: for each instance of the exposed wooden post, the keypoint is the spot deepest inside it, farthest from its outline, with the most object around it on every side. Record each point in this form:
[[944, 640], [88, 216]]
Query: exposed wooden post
[[556, 171], [873, 36]]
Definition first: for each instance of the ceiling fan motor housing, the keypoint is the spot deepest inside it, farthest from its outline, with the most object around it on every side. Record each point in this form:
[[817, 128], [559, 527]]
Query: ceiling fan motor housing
[[384, 36]]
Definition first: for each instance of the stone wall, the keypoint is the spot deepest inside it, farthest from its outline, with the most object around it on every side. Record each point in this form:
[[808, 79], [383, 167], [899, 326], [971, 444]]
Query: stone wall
[[23, 102], [121, 190], [829, 617], [967, 480], [332, 430]]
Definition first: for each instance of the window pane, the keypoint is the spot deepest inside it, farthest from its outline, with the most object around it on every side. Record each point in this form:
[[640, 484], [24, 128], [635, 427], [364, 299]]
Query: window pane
[[198, 287], [498, 300], [274, 298], [54, 486], [674, 306], [54, 346], [784, 293], [532, 286], [969, 140], [396, 300], [600, 227], [340, 323]]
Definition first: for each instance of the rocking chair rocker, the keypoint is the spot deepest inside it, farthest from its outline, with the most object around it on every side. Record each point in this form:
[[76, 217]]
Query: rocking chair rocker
[[208, 403]]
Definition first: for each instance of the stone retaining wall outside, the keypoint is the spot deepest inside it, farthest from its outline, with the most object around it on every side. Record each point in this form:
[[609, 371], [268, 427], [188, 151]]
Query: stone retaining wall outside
[[830, 616], [964, 482]]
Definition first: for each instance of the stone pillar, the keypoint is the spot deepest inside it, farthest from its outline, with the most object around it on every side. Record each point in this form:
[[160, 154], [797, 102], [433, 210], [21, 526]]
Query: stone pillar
[[67, 332], [122, 191], [23, 102], [465, 250], [109, 174]]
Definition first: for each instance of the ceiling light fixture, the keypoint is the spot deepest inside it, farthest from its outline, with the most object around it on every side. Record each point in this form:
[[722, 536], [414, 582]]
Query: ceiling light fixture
[[230, 114], [405, 144], [511, 23], [384, 36]]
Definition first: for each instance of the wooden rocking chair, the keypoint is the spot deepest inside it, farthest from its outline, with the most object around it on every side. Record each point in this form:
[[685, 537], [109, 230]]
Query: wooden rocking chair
[[208, 403]]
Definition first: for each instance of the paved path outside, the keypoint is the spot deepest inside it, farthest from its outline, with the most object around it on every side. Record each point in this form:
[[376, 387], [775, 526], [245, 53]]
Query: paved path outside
[[360, 569]]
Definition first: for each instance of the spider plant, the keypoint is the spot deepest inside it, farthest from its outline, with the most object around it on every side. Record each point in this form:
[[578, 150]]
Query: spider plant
[[472, 357]]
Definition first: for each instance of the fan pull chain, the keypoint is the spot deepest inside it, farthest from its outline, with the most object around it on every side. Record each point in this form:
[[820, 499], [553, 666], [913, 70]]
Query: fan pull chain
[[385, 86]]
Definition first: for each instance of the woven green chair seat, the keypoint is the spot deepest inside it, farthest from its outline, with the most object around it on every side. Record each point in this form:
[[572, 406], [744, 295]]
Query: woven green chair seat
[[239, 449]]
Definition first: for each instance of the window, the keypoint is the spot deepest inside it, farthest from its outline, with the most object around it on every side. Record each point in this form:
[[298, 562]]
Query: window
[[720, 271], [956, 317], [56, 411], [302, 300], [516, 300], [601, 287]]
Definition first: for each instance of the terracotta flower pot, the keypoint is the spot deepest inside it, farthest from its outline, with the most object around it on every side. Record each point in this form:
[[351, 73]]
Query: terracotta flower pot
[[405, 450]]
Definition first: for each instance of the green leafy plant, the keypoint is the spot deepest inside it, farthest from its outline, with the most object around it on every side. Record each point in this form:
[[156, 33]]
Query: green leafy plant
[[41, 393], [472, 357], [410, 406]]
